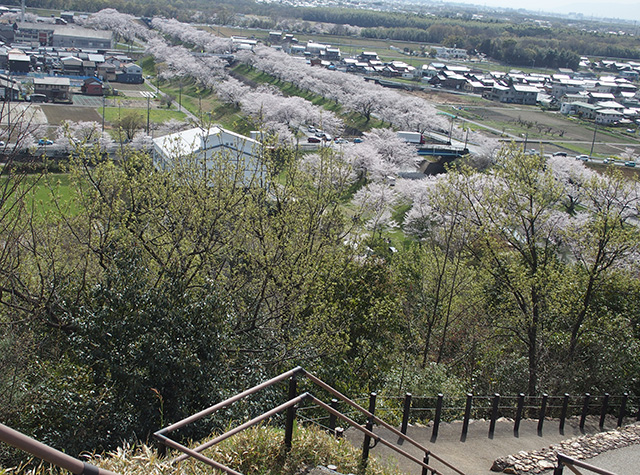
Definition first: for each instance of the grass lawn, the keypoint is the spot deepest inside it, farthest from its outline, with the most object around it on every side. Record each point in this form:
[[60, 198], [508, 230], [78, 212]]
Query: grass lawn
[[112, 114], [49, 191]]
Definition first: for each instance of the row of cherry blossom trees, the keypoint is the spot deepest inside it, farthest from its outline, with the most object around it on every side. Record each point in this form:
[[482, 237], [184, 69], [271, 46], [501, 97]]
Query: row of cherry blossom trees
[[400, 110], [179, 62], [193, 36]]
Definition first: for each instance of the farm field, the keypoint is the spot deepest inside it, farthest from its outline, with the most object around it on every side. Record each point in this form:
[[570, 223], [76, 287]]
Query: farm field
[[56, 114], [546, 130]]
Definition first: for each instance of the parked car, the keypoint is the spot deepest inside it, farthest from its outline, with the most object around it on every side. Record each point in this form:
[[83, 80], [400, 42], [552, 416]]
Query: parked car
[[311, 128], [608, 160], [560, 154], [584, 158], [631, 131], [313, 140], [45, 142], [340, 140], [629, 163], [357, 140]]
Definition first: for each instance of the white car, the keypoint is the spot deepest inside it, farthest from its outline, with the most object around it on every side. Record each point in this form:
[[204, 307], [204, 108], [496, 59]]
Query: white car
[[584, 158]]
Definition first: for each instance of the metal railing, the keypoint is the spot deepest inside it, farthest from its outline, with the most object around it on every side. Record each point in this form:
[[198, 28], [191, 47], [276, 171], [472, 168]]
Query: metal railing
[[521, 407], [290, 407], [48, 454], [573, 465]]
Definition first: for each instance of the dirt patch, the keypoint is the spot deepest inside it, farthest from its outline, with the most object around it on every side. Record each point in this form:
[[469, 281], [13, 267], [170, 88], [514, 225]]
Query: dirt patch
[[56, 114], [441, 97]]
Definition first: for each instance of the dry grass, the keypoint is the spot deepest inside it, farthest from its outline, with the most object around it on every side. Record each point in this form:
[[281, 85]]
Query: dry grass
[[257, 451]]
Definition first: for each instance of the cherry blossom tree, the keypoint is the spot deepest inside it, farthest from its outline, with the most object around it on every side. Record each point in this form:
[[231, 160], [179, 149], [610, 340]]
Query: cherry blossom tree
[[123, 25], [375, 204]]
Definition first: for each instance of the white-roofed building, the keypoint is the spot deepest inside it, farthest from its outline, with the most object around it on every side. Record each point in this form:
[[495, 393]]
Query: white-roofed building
[[210, 148]]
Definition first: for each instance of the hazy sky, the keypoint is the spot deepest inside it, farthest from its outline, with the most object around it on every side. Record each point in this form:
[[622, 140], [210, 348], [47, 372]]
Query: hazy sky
[[624, 9]]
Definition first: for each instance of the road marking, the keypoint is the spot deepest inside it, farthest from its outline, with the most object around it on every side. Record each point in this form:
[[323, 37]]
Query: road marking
[[147, 94]]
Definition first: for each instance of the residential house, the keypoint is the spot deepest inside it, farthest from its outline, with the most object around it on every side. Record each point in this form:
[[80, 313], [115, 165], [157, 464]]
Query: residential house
[[130, 73], [585, 110], [561, 86], [88, 68], [367, 56], [10, 89], [106, 71], [56, 89], [92, 87], [19, 62], [71, 66], [513, 94], [608, 116]]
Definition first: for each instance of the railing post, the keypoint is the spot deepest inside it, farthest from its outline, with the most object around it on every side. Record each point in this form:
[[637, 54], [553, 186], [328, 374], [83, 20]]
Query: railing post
[[332, 417], [559, 469], [291, 413], [369, 427], [436, 421], [494, 414], [585, 409], [516, 425], [543, 411], [426, 461], [405, 413], [563, 413], [467, 416], [603, 411], [623, 409]]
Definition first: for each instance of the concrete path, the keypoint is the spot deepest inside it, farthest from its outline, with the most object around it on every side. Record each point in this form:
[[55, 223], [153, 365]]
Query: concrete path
[[625, 461], [476, 454]]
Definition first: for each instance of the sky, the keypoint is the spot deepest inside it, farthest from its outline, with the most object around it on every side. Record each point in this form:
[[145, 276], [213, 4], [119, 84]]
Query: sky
[[623, 9]]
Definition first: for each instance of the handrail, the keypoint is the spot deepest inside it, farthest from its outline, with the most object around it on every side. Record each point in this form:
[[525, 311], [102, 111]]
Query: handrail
[[571, 463], [247, 424], [48, 454], [376, 419], [161, 435], [231, 400], [377, 439]]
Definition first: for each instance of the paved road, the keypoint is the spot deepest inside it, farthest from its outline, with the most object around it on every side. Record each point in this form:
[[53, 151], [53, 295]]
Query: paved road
[[476, 454], [625, 461]]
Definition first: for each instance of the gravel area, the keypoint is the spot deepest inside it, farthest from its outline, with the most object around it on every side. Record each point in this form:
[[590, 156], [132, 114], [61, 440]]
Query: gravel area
[[579, 448]]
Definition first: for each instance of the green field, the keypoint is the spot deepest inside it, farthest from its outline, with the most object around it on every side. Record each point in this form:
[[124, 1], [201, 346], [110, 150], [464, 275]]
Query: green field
[[113, 114], [48, 192]]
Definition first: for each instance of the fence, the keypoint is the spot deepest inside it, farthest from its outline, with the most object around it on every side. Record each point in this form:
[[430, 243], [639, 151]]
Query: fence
[[541, 408]]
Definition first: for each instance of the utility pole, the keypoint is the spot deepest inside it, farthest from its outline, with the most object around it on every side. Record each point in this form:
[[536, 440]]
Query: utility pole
[[593, 142], [148, 105], [103, 104]]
